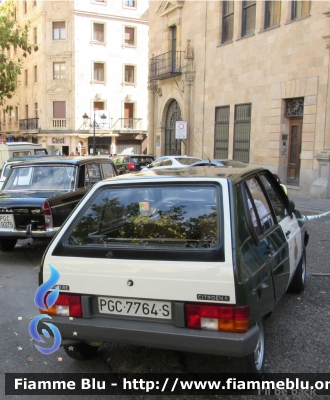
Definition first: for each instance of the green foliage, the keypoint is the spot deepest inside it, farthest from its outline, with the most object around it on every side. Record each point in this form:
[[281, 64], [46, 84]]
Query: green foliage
[[15, 37]]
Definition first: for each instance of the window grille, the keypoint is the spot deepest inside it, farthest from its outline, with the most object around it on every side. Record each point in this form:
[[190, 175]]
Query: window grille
[[294, 107], [221, 134], [242, 128]]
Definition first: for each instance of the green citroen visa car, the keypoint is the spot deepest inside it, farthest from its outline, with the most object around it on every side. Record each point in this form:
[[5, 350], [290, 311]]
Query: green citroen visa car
[[189, 259]]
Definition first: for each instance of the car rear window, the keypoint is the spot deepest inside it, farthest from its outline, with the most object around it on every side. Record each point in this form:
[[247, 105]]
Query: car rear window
[[142, 160], [182, 217], [46, 177]]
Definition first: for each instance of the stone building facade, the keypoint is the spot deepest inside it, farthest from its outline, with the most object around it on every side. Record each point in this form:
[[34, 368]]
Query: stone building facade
[[251, 78], [85, 89]]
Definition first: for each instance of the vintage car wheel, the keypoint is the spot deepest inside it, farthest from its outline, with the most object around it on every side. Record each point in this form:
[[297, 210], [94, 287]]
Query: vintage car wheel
[[298, 282], [7, 244], [81, 351]]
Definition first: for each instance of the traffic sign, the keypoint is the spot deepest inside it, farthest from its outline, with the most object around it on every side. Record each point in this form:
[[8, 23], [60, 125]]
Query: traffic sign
[[181, 129]]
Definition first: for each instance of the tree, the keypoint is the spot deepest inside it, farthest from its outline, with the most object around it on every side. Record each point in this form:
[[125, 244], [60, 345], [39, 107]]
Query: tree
[[12, 36]]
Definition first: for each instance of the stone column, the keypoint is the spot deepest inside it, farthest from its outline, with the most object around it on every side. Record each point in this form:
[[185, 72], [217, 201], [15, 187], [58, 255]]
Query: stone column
[[321, 187], [152, 116]]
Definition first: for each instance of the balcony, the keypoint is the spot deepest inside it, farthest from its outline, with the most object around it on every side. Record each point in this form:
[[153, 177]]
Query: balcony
[[29, 124], [166, 65]]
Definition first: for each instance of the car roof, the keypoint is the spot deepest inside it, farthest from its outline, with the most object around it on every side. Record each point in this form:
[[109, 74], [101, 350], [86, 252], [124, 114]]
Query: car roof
[[58, 160], [231, 173]]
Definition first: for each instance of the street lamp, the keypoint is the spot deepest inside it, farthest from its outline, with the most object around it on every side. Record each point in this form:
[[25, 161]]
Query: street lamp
[[93, 125]]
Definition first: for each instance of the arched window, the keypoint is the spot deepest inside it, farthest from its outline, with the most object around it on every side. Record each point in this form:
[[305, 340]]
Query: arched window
[[172, 145]]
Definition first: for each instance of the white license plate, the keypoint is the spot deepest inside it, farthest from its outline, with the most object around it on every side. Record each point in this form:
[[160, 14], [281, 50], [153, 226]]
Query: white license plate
[[7, 221], [135, 307]]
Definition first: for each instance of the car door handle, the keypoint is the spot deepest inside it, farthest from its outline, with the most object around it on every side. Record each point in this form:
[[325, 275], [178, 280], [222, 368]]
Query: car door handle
[[287, 233]]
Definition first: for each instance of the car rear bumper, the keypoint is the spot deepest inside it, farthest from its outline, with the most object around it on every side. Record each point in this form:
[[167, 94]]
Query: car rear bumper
[[158, 335], [26, 234]]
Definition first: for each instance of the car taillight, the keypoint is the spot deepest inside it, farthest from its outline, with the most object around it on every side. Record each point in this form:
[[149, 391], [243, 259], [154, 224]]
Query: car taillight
[[66, 305], [48, 214], [131, 166], [217, 317]]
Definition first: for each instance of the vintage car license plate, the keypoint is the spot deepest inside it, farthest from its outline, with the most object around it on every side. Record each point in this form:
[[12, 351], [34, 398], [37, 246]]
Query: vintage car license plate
[[7, 221], [135, 307]]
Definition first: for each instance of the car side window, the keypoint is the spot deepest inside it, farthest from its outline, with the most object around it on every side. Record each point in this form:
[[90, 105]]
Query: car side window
[[259, 210], [108, 170], [166, 162], [274, 197], [93, 174]]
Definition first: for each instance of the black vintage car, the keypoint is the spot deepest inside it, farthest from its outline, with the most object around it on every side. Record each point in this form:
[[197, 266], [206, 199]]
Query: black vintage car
[[38, 195]]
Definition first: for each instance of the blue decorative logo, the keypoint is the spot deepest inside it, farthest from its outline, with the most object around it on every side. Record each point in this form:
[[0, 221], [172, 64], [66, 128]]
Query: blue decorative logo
[[50, 301]]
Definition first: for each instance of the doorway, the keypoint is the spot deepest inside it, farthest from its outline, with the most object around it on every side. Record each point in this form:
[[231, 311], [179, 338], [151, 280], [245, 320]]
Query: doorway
[[172, 145], [294, 151]]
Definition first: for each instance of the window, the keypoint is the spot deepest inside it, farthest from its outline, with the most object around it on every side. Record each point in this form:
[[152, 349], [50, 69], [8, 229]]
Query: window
[[98, 32], [259, 210], [129, 74], [129, 36], [16, 114], [248, 18], [35, 74], [221, 134], [34, 3], [227, 21], [26, 77], [26, 111], [99, 105], [242, 127], [300, 9], [99, 72], [36, 110], [130, 3], [59, 30], [59, 70], [274, 197], [108, 171], [151, 217], [4, 116], [25, 6], [272, 13], [35, 35], [59, 109]]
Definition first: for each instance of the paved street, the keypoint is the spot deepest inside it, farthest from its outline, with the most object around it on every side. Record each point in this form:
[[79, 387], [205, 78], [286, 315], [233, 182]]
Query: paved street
[[297, 333]]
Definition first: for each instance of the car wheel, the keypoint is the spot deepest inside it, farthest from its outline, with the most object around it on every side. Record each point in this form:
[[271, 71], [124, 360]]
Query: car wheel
[[254, 363], [298, 282], [7, 244], [81, 351]]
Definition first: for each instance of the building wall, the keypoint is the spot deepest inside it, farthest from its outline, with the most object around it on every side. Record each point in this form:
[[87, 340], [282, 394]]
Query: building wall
[[78, 89], [264, 69]]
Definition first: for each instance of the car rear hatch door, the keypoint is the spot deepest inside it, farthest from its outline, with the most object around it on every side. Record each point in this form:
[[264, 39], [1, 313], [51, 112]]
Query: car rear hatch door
[[149, 243]]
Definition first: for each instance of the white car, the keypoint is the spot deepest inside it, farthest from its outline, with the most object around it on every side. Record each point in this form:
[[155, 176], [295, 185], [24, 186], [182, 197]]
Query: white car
[[173, 162]]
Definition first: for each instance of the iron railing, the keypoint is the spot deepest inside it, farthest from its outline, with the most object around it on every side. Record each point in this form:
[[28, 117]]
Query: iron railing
[[29, 124], [166, 65], [127, 123]]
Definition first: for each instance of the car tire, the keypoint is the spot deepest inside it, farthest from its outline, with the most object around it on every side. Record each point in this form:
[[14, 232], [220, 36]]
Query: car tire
[[255, 362], [252, 363], [298, 282], [7, 244], [81, 351]]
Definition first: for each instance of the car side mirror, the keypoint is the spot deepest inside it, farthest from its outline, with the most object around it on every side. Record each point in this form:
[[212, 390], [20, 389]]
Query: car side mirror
[[291, 207]]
